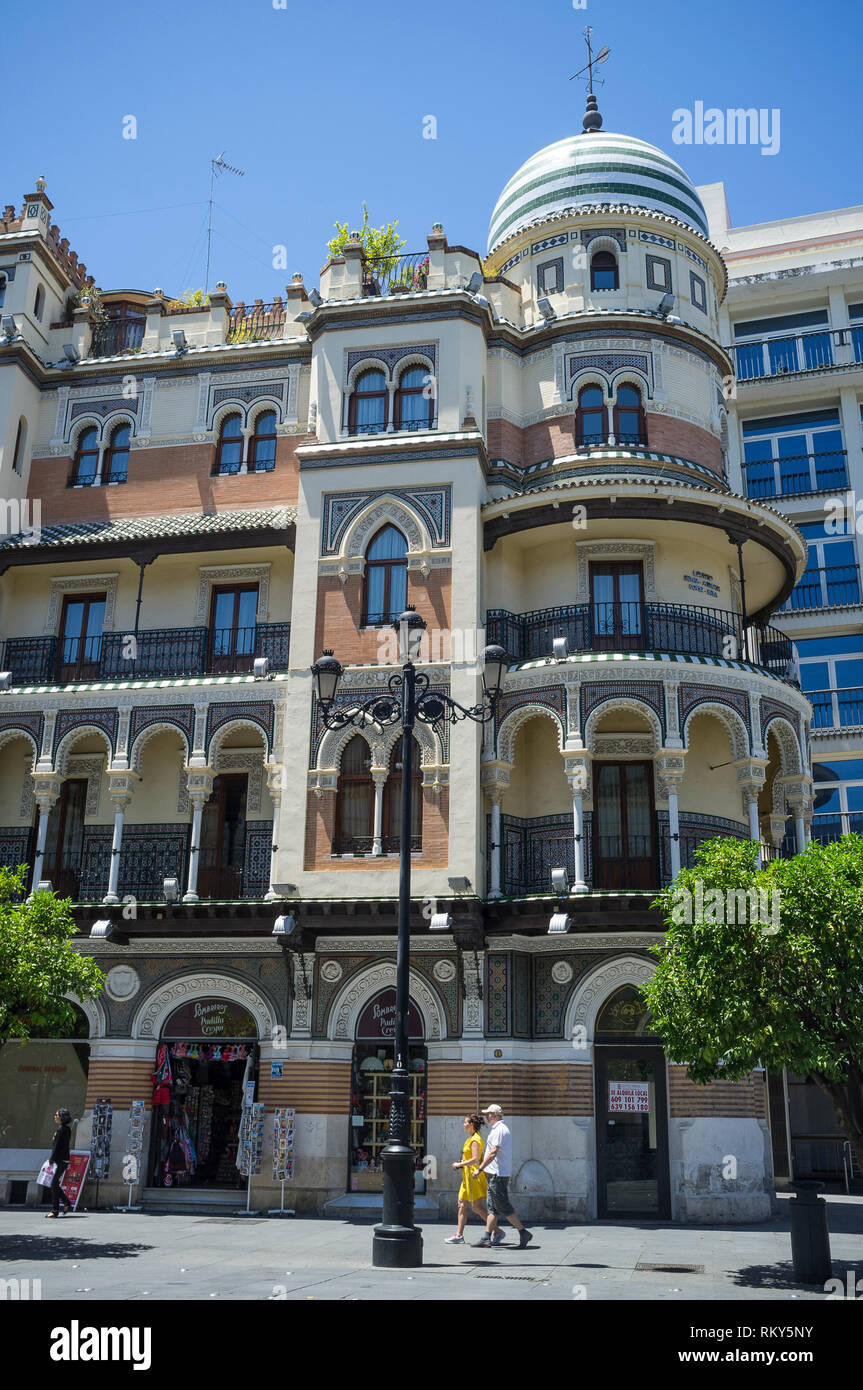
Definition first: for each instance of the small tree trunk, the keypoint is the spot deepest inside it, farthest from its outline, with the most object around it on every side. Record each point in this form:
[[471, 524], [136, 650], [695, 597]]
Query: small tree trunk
[[847, 1100]]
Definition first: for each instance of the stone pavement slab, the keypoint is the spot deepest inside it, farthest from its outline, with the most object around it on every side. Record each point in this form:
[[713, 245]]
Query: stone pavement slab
[[105, 1255]]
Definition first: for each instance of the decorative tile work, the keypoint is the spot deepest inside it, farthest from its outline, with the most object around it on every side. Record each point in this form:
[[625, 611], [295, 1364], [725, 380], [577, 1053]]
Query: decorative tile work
[[393, 355], [552, 696], [608, 361], [550, 998], [248, 393], [656, 239], [497, 994], [549, 276], [692, 695], [597, 692], [521, 996], [658, 273], [547, 243], [103, 408], [590, 234], [150, 854], [95, 862], [257, 712], [693, 256], [433, 503], [346, 699], [698, 291], [69, 719], [769, 710], [258, 853], [183, 716], [514, 260], [31, 721], [324, 990]]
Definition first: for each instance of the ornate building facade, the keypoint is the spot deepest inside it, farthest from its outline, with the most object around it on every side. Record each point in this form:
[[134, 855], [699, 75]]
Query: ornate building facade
[[542, 445]]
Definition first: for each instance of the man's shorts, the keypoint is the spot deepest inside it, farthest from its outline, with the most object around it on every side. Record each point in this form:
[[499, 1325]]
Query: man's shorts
[[498, 1196]]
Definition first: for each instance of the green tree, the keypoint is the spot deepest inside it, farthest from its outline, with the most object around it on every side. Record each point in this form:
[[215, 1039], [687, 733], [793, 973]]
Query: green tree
[[38, 964], [381, 244], [782, 990]]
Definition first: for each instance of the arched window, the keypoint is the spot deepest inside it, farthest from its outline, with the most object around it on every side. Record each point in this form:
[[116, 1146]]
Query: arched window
[[115, 467], [86, 458], [629, 416], [229, 454], [367, 413], [386, 578], [392, 817], [603, 271], [262, 446], [624, 1012], [414, 406], [20, 446], [355, 803], [2, 290], [39, 305], [591, 425]]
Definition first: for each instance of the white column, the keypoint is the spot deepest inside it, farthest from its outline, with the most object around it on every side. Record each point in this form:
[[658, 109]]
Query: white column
[[114, 872], [674, 831], [580, 885], [277, 812], [379, 779], [41, 837], [494, 891], [754, 827], [191, 893], [799, 829]]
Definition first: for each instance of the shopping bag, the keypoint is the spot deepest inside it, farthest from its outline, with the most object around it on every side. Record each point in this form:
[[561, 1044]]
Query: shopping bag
[[46, 1174]]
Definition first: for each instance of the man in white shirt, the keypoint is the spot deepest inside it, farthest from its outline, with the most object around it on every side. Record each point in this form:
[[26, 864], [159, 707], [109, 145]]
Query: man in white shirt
[[497, 1163]]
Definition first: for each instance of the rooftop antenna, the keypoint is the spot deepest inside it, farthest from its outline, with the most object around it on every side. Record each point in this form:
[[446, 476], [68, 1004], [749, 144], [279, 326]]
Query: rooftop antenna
[[592, 120], [216, 167]]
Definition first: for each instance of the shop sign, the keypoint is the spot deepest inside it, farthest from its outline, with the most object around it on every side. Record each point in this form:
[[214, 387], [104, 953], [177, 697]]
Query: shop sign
[[378, 1019], [276, 1071], [629, 1097], [73, 1178], [210, 1018]]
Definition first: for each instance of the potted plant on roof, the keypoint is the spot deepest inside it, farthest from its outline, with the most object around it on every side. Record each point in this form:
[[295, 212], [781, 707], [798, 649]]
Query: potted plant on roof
[[381, 246]]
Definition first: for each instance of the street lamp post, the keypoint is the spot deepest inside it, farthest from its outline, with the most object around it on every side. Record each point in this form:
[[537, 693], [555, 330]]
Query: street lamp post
[[397, 1241]]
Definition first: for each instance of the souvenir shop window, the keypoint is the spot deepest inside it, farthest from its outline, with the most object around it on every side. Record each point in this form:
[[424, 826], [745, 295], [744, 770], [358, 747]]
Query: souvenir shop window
[[197, 1110], [371, 1082]]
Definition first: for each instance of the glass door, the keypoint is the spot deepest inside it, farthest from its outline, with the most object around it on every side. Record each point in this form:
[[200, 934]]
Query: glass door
[[80, 639], [624, 850], [64, 843], [631, 1133], [617, 607], [232, 629]]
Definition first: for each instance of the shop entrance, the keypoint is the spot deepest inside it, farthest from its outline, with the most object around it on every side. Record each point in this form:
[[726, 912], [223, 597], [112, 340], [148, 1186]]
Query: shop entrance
[[632, 1174], [207, 1059], [371, 1079]]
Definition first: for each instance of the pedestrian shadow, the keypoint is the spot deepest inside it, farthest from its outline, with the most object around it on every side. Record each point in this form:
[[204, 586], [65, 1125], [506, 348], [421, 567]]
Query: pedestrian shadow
[[781, 1275], [57, 1247]]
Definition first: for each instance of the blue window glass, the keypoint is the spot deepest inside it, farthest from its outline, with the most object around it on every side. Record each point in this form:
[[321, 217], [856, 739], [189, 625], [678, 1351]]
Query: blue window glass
[[814, 675], [829, 646]]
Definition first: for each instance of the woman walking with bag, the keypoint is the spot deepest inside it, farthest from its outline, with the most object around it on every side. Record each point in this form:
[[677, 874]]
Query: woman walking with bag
[[60, 1158], [472, 1192]]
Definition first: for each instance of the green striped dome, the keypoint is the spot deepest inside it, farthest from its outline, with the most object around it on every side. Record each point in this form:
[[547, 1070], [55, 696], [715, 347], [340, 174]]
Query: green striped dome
[[594, 168]]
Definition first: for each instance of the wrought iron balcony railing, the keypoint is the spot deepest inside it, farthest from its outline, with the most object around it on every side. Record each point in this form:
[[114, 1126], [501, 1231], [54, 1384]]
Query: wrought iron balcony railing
[[395, 274], [793, 477], [155, 653], [670, 627], [834, 586], [116, 336], [251, 323], [832, 825]]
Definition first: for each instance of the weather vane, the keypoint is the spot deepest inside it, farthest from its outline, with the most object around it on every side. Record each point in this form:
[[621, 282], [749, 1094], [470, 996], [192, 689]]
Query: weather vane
[[592, 119]]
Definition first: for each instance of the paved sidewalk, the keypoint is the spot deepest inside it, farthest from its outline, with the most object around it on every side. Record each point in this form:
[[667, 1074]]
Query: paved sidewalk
[[107, 1255]]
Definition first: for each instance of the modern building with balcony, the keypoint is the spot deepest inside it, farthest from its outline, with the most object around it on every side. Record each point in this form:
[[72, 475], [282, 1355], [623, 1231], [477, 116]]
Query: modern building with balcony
[[541, 445]]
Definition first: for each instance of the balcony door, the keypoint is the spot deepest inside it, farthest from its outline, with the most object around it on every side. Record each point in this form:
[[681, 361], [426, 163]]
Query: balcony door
[[232, 629], [617, 606], [80, 638], [625, 847], [223, 839], [64, 842]]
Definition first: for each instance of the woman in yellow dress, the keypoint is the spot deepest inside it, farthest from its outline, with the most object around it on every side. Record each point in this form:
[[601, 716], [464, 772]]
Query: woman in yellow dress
[[473, 1188]]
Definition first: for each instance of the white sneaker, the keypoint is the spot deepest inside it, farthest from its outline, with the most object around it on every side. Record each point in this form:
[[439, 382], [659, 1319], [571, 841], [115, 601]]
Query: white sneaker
[[454, 1240]]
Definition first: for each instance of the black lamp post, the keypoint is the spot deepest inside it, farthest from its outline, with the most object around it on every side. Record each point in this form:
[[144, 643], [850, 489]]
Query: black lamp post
[[397, 1241]]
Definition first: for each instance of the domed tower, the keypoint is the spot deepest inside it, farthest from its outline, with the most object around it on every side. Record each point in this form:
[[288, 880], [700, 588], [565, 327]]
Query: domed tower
[[650, 705]]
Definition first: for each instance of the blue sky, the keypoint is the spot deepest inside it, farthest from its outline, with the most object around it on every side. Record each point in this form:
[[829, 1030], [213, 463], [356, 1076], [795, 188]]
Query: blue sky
[[322, 105]]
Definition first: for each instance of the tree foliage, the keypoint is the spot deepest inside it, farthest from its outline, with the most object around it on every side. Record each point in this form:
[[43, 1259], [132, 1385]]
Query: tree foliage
[[38, 965], [381, 244], [784, 990]]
